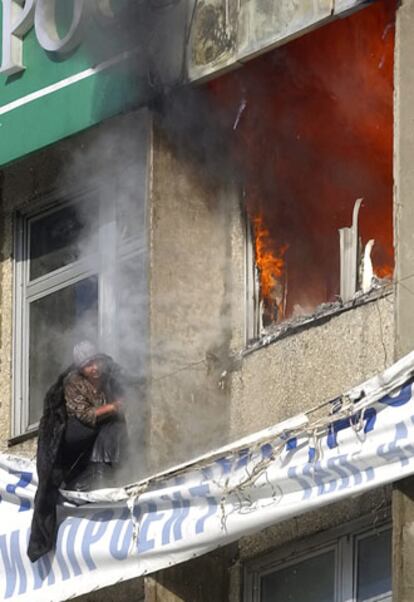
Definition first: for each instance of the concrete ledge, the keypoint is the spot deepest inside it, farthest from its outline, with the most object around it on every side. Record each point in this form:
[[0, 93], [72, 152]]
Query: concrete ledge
[[224, 35]]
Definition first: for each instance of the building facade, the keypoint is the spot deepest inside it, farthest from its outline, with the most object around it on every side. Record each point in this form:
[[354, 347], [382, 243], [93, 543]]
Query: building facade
[[193, 231]]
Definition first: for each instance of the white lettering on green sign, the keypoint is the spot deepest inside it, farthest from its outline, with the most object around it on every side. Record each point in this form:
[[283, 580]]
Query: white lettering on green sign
[[19, 16]]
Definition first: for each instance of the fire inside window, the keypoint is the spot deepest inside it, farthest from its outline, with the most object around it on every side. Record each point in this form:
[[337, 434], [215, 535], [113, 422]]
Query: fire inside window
[[311, 125]]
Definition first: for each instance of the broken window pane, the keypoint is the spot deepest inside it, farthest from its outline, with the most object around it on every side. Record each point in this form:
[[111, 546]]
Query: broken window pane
[[310, 127], [297, 582], [61, 237], [374, 568], [57, 322]]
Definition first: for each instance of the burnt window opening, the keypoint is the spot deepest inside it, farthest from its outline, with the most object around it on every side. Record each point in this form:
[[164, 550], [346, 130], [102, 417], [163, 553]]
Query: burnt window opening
[[311, 127]]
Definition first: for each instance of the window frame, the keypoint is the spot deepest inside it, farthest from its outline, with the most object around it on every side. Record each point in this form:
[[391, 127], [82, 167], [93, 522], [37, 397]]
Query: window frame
[[356, 539], [253, 330], [26, 291], [343, 540], [255, 334]]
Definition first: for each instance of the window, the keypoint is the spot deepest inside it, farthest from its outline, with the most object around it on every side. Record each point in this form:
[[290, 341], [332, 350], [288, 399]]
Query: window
[[352, 567], [80, 267], [305, 146]]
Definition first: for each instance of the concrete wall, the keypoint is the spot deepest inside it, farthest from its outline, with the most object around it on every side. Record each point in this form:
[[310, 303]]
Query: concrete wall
[[227, 32], [299, 372], [403, 495], [204, 579], [404, 178], [191, 308], [127, 591]]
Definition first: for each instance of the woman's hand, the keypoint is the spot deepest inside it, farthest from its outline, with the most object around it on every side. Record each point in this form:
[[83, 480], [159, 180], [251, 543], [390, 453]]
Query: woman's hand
[[118, 406], [108, 409]]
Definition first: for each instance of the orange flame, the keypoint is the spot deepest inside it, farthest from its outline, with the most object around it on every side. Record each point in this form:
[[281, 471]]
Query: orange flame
[[384, 271], [271, 265]]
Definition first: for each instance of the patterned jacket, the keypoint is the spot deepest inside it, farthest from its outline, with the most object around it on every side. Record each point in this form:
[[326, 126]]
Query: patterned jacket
[[82, 398]]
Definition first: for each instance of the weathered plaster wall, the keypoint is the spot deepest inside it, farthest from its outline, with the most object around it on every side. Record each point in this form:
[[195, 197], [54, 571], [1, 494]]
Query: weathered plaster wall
[[403, 494], [191, 308], [227, 32], [126, 591], [5, 322], [204, 579], [404, 178], [299, 372]]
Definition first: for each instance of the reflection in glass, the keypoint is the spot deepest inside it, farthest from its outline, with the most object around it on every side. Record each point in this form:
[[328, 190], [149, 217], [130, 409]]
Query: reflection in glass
[[132, 191], [60, 237], [131, 216], [57, 322], [312, 580], [131, 314], [374, 567], [131, 327]]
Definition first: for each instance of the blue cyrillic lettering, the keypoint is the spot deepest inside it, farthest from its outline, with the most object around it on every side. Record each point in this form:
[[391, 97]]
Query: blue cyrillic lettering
[[145, 544], [201, 491], [13, 564], [96, 527], [24, 481], [181, 509], [118, 550], [72, 525]]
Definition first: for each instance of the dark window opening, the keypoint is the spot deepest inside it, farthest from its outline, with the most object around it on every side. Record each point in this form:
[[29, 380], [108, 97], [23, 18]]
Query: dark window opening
[[311, 127]]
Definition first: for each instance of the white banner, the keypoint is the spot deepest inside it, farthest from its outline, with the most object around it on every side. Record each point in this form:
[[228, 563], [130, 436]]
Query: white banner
[[366, 440]]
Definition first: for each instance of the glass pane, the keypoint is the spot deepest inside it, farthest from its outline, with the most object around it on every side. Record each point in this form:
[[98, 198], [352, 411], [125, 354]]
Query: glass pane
[[57, 322], [131, 215], [131, 202], [374, 567], [132, 314], [130, 350], [298, 582], [61, 237]]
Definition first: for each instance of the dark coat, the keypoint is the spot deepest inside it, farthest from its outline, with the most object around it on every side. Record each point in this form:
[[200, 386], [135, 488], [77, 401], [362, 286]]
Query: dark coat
[[49, 459]]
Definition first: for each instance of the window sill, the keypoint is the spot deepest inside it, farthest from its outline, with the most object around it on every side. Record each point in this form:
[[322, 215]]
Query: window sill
[[322, 315], [22, 438]]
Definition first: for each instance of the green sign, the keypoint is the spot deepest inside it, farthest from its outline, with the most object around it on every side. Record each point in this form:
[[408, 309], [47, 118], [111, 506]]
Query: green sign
[[66, 65]]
